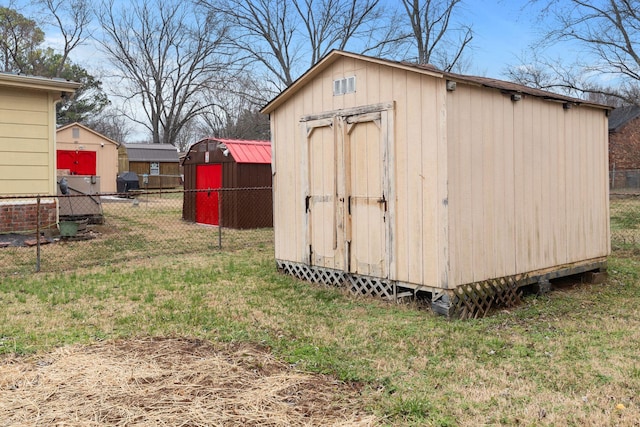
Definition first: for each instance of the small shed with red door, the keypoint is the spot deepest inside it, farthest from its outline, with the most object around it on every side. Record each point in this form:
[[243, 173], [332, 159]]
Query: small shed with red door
[[236, 175], [83, 151]]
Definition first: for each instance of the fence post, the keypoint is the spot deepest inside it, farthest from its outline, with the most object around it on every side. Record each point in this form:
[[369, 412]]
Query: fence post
[[612, 182], [219, 219], [38, 234]]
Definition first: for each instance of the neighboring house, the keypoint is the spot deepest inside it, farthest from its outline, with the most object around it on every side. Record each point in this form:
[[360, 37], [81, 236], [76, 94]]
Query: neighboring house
[[243, 169], [83, 151], [158, 164], [397, 179], [28, 150], [624, 147]]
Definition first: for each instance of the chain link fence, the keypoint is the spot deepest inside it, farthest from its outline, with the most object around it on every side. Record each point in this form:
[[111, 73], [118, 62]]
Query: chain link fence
[[625, 221], [624, 181], [108, 229]]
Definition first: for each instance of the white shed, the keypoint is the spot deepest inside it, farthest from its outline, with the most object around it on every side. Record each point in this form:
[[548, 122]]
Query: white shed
[[398, 179]]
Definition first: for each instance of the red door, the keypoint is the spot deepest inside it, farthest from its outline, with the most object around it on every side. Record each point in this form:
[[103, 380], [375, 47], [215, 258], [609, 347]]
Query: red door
[[208, 177], [78, 162]]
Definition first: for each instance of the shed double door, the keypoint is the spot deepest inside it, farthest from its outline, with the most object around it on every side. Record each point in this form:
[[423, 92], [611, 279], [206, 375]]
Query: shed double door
[[76, 161], [347, 200]]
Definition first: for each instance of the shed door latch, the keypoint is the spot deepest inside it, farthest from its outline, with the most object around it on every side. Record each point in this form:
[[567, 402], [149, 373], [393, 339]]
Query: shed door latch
[[382, 200], [307, 201]]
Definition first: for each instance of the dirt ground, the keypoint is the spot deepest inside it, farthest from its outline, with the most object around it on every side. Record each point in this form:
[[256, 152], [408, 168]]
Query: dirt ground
[[171, 382]]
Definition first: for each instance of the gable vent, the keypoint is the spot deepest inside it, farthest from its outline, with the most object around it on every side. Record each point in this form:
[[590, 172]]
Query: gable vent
[[344, 86]]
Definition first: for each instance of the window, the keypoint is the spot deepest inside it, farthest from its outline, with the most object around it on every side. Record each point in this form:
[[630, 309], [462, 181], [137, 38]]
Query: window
[[344, 86], [75, 132], [154, 168]]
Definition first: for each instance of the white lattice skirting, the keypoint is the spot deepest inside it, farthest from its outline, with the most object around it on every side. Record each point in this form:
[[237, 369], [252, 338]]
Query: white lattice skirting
[[363, 285], [466, 301]]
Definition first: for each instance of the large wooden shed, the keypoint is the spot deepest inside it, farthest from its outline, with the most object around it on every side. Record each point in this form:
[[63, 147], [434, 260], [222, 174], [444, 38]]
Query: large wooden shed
[[157, 165], [397, 179], [242, 169]]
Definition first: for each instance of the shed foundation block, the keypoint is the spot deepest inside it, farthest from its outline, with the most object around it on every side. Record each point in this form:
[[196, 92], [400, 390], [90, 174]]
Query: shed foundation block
[[443, 306], [542, 287]]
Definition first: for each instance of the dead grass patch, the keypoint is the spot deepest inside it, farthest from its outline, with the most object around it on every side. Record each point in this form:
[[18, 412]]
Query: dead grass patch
[[170, 381]]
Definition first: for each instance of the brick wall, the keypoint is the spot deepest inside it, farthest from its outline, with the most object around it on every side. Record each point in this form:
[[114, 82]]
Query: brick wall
[[624, 147], [21, 216]]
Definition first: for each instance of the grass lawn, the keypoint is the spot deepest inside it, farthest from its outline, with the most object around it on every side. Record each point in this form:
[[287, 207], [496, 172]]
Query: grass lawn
[[566, 359], [570, 358]]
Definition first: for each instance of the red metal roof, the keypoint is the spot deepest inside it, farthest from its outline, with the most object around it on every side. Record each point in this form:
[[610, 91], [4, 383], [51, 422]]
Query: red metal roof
[[245, 151]]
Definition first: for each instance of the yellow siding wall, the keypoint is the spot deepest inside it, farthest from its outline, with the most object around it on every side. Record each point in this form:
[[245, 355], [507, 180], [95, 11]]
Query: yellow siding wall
[[106, 156], [27, 128], [419, 227], [527, 184]]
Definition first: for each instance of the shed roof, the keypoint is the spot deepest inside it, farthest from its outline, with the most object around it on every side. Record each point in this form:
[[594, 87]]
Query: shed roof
[[518, 88], [152, 153], [429, 69], [621, 116], [246, 151]]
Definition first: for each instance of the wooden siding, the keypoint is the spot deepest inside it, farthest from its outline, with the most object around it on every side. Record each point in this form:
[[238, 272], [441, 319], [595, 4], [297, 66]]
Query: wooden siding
[[157, 181], [419, 160], [27, 155], [527, 184], [106, 153], [240, 209], [123, 160], [481, 186], [246, 208]]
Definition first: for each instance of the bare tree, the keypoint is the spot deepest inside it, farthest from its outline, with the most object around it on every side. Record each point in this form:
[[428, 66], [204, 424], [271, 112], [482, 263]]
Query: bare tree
[[72, 19], [289, 36], [111, 124], [237, 113], [608, 34], [167, 54], [189, 135], [331, 24], [434, 34], [602, 98], [551, 74]]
